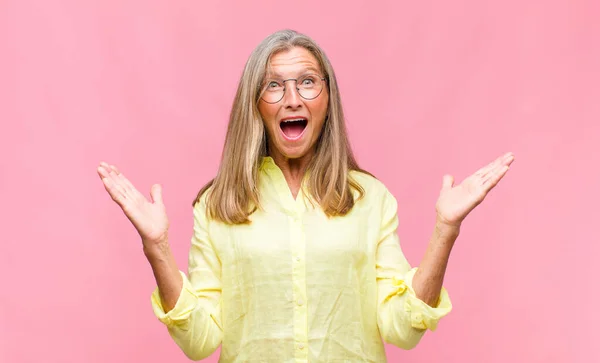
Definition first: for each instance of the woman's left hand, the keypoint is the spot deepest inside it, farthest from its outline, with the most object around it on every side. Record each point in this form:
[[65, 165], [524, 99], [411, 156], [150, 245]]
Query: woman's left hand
[[456, 202]]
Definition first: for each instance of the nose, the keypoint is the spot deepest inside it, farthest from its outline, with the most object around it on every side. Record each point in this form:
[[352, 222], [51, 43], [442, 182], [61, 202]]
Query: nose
[[291, 97]]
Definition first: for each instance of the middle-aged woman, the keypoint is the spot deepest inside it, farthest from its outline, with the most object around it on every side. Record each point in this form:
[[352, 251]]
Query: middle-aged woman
[[295, 254]]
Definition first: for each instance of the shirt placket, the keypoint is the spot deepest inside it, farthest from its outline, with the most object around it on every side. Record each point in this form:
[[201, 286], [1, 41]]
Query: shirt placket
[[294, 209], [298, 245]]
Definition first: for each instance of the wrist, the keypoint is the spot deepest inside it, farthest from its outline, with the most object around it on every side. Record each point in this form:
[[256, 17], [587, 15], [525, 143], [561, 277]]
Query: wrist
[[156, 250], [446, 232], [446, 226]]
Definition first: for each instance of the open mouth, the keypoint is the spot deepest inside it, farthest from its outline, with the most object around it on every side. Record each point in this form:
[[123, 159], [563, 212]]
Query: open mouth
[[293, 128]]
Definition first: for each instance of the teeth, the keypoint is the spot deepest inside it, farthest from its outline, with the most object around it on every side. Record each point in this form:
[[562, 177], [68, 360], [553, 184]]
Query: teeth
[[294, 120]]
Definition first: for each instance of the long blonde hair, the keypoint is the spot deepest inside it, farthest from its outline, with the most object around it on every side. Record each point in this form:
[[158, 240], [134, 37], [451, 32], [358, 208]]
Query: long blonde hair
[[234, 193]]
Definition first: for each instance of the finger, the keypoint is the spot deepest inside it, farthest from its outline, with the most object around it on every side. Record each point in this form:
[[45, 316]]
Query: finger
[[119, 185], [447, 182], [110, 167], [497, 164], [494, 178], [130, 191], [126, 184], [156, 193], [102, 172], [105, 165], [124, 181], [483, 171], [114, 191], [485, 176], [508, 159], [113, 184]]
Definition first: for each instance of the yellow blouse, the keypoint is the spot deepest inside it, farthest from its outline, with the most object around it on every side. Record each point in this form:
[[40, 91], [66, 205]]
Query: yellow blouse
[[295, 286]]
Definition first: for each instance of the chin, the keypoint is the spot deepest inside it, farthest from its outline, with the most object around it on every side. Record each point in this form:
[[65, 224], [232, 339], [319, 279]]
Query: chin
[[293, 153]]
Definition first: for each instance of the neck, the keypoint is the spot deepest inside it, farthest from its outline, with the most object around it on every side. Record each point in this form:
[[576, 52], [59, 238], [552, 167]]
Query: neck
[[293, 169]]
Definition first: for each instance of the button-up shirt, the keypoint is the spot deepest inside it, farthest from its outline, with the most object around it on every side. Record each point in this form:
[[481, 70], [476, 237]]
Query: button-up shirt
[[297, 286]]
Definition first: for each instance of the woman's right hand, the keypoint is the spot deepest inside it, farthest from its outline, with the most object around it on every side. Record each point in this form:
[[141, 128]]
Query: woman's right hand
[[148, 217]]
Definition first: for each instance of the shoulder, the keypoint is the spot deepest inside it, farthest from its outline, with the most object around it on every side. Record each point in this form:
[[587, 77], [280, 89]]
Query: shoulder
[[375, 191], [377, 200], [200, 205], [203, 196]]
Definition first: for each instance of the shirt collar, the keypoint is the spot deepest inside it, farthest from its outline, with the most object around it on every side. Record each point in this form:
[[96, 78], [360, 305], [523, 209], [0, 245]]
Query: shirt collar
[[267, 162]]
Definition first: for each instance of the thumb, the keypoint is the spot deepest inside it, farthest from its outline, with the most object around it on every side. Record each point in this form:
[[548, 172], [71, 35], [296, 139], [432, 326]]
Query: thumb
[[156, 193], [447, 182]]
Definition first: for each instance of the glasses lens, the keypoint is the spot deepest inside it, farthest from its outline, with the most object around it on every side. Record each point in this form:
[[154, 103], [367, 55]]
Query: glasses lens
[[272, 91], [310, 86]]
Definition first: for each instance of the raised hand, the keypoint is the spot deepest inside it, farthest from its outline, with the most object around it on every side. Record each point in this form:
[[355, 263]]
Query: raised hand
[[148, 217], [456, 202]]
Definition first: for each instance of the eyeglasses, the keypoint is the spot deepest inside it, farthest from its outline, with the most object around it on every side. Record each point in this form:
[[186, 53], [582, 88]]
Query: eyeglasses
[[309, 87]]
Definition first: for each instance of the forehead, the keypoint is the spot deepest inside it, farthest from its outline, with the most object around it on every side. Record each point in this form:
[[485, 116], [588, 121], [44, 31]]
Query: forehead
[[292, 63]]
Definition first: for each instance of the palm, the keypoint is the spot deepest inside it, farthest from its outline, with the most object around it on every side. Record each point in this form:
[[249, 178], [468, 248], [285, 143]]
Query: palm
[[148, 217], [456, 202]]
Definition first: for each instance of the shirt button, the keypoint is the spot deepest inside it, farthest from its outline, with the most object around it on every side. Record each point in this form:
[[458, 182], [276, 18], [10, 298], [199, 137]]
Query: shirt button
[[297, 258], [301, 346], [300, 302]]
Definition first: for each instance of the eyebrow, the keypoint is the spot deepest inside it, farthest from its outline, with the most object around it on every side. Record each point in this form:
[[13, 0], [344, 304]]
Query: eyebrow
[[271, 74]]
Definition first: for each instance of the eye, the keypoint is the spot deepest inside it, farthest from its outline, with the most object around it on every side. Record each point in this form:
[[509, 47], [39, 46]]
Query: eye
[[273, 84], [309, 80]]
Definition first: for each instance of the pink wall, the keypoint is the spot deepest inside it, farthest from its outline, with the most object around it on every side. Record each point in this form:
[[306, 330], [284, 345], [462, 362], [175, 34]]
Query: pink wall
[[429, 87]]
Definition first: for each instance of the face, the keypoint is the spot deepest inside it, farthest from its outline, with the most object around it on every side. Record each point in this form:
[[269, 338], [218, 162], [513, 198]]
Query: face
[[293, 123]]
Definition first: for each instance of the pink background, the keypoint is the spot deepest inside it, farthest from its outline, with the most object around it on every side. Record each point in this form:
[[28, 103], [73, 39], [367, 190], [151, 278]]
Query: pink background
[[429, 87]]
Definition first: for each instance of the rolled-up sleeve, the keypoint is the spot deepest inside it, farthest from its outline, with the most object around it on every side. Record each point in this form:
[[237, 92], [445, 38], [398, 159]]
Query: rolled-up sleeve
[[194, 323], [402, 317]]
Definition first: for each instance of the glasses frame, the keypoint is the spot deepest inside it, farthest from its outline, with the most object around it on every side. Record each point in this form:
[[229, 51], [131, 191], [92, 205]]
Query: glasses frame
[[324, 79]]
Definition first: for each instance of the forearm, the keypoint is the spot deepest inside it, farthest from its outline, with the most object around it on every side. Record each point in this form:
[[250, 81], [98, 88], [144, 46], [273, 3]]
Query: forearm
[[429, 278], [166, 273]]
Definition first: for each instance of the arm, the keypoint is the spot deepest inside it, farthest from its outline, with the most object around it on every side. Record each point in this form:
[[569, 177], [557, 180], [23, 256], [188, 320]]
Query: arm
[[429, 278], [190, 308], [452, 207], [410, 301], [166, 273], [191, 311]]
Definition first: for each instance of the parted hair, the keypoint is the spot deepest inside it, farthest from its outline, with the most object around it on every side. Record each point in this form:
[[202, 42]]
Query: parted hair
[[233, 195]]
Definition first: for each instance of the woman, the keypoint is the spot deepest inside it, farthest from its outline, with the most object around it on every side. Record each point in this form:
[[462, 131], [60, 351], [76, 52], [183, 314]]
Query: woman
[[295, 254]]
